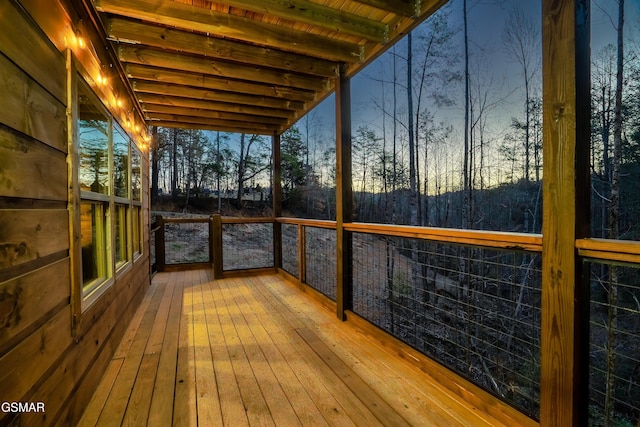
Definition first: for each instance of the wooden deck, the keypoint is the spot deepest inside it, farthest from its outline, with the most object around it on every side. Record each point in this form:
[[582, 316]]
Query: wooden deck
[[258, 351]]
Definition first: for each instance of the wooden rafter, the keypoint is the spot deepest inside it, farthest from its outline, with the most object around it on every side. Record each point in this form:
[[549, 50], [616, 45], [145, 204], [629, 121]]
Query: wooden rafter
[[401, 7], [252, 62], [214, 105], [149, 87], [129, 31], [234, 27], [164, 75], [208, 66], [317, 15], [151, 109]]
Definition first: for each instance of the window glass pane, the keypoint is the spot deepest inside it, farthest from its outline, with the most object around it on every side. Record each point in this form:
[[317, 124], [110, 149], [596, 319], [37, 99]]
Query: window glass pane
[[136, 222], [93, 143], [120, 162], [136, 177], [93, 234], [121, 234]]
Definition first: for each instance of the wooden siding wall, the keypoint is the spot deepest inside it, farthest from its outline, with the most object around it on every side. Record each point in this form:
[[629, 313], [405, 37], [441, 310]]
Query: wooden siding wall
[[40, 360]]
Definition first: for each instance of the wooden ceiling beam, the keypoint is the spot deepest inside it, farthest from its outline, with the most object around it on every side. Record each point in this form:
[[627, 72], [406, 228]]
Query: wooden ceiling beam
[[207, 21], [163, 75], [194, 64], [227, 127], [149, 108], [222, 106], [151, 117], [317, 15], [408, 8], [214, 95], [133, 32]]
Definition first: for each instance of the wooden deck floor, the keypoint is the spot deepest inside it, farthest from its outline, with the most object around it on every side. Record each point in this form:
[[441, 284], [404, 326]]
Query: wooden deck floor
[[257, 351]]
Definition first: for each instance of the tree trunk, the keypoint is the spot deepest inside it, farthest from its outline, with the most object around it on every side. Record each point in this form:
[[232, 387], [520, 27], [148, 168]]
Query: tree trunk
[[614, 213], [154, 164]]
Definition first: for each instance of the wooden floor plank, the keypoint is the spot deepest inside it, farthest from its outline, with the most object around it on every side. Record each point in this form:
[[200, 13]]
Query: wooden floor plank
[[295, 392], [233, 410], [208, 400], [289, 344], [280, 408], [161, 409], [184, 408], [137, 411], [257, 351], [118, 399], [96, 405], [357, 411], [255, 405]]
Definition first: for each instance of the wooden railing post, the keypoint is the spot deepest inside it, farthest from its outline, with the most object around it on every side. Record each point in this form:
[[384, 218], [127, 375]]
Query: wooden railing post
[[160, 256], [302, 256], [216, 245], [344, 199], [564, 358], [277, 200]]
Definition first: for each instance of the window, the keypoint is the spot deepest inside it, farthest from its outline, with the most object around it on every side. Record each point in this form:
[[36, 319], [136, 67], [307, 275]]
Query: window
[[109, 185], [94, 237], [136, 199], [95, 188]]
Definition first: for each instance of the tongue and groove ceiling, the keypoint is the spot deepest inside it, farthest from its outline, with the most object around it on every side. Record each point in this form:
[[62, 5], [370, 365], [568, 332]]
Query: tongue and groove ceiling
[[248, 66]]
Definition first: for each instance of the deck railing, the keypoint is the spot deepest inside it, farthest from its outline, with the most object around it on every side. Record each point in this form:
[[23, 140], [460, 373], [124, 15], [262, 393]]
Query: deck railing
[[471, 300]]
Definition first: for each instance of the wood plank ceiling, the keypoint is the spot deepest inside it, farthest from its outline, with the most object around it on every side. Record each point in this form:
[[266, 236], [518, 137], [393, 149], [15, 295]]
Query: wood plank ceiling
[[248, 66]]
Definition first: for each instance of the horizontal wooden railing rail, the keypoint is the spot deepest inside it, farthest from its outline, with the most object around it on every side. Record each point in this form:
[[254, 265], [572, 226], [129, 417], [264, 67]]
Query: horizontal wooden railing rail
[[487, 239], [318, 223], [609, 250], [241, 220]]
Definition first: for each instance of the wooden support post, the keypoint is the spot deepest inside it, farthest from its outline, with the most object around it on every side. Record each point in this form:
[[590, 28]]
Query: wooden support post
[[212, 244], [302, 256], [565, 288], [216, 245], [160, 258], [277, 200], [344, 198]]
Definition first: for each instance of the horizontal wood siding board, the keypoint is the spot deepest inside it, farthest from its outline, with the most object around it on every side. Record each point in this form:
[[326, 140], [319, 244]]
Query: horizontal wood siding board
[[26, 235], [26, 363], [28, 300], [32, 52], [96, 347], [29, 169], [29, 108]]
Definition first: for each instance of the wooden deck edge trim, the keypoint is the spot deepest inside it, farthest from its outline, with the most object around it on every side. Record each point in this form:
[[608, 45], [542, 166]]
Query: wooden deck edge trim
[[461, 387], [184, 220], [308, 290], [238, 220], [317, 223], [248, 272], [487, 239], [609, 250], [187, 266]]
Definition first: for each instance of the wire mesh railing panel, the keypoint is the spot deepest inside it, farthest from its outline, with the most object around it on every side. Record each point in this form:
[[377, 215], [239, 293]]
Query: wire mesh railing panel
[[290, 249], [186, 243], [614, 347], [475, 310], [247, 246], [152, 249], [320, 259]]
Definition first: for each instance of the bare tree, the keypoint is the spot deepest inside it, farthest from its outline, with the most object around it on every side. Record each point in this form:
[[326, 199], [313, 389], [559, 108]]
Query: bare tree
[[521, 39]]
